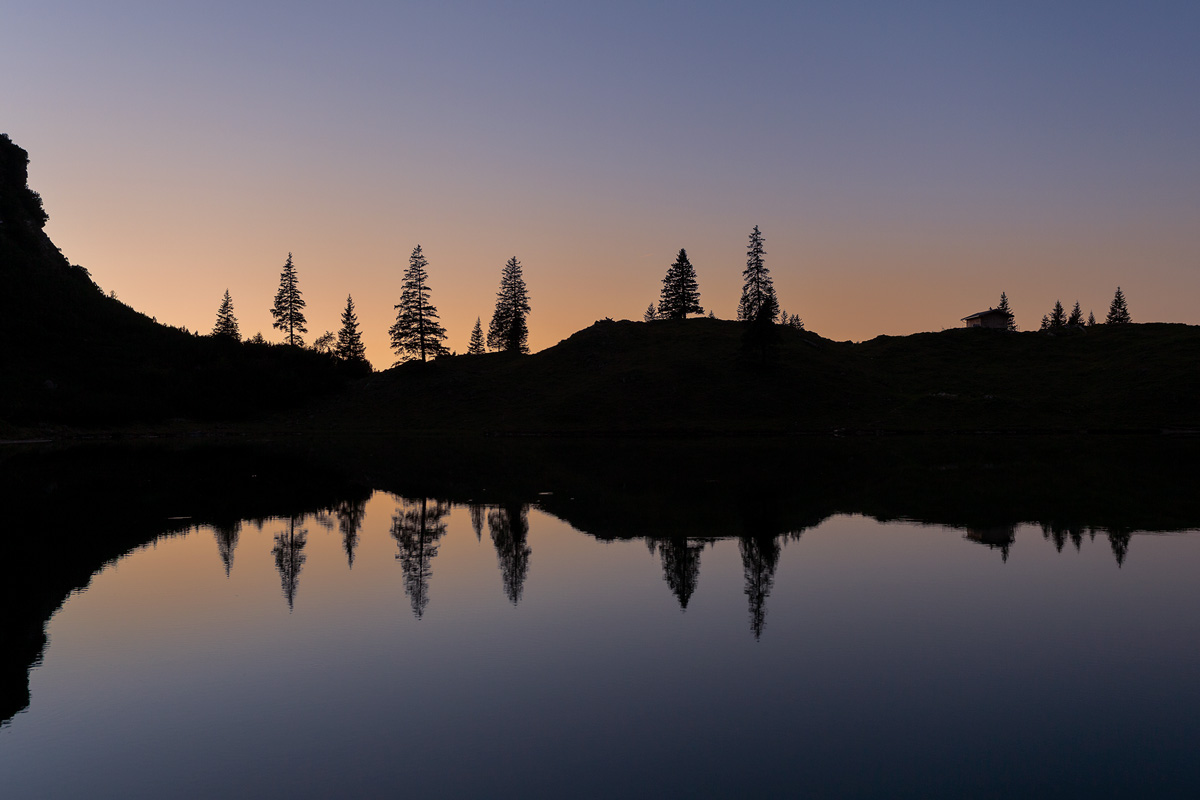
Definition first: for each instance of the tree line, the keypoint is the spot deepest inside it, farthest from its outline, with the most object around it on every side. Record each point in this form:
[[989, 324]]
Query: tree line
[[1058, 319], [417, 333]]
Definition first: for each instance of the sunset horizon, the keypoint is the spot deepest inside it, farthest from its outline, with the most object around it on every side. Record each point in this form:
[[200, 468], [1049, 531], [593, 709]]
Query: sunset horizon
[[905, 167]]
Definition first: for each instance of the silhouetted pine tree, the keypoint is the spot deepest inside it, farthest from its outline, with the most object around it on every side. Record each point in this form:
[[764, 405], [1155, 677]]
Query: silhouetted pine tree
[[1091, 319], [227, 324], [417, 332], [1076, 317], [1118, 312], [475, 346], [289, 306], [680, 292], [1012, 319], [1058, 317], [508, 330], [758, 287], [349, 341], [651, 313]]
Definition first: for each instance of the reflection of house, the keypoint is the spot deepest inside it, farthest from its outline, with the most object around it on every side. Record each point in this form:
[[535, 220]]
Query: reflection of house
[[992, 318], [999, 537]]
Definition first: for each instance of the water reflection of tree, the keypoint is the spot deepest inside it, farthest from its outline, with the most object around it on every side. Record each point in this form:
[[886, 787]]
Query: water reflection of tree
[[290, 558], [760, 557], [227, 539], [350, 515], [476, 510], [509, 527], [680, 564], [417, 529]]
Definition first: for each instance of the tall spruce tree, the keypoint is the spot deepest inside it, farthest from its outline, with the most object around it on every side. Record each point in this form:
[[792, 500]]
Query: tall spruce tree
[[289, 306], [227, 324], [508, 330], [475, 346], [1118, 312], [1058, 317], [758, 290], [349, 340], [417, 333], [680, 292], [1004, 306], [1076, 317]]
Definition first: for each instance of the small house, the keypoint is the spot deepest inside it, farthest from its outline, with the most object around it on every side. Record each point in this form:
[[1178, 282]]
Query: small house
[[992, 318]]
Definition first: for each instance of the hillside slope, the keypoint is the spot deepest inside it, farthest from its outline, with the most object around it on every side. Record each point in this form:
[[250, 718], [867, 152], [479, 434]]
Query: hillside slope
[[73, 355], [694, 376]]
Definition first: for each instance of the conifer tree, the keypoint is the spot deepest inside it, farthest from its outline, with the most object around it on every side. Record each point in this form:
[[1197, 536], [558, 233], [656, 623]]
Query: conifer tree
[[227, 324], [758, 289], [1004, 306], [1076, 317], [417, 333], [650, 314], [289, 306], [1118, 312], [1058, 317], [680, 292], [1045, 323], [349, 341], [1091, 319], [508, 330], [475, 346]]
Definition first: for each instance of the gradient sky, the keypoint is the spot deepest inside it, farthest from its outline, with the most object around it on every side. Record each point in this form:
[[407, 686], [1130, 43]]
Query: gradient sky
[[905, 161]]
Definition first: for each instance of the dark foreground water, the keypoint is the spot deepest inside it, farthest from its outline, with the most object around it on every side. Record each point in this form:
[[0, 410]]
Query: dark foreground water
[[391, 645]]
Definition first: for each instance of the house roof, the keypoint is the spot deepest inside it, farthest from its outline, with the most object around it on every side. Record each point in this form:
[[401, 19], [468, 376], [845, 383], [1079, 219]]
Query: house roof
[[987, 313]]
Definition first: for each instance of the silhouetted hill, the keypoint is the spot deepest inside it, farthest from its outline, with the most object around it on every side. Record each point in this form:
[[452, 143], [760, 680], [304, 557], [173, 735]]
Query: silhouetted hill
[[694, 376], [73, 355]]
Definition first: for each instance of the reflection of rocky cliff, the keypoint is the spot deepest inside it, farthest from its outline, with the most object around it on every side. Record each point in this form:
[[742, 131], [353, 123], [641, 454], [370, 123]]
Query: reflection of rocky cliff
[[70, 512]]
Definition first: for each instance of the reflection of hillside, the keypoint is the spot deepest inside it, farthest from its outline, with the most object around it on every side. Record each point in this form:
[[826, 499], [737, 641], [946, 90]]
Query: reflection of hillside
[[72, 511]]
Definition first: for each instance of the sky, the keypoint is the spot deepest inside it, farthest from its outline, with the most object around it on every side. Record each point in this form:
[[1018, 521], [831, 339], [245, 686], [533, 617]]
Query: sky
[[906, 162]]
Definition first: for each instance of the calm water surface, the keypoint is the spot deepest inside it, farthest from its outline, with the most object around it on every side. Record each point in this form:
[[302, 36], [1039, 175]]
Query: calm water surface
[[410, 647]]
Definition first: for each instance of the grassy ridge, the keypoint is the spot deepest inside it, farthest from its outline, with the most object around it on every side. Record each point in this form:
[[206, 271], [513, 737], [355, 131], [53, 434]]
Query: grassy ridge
[[693, 376]]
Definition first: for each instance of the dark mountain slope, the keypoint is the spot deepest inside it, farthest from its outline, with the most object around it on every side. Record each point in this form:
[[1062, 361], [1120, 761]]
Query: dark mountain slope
[[70, 354], [675, 377]]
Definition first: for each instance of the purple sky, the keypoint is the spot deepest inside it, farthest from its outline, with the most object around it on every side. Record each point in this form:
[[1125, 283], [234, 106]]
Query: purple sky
[[906, 162]]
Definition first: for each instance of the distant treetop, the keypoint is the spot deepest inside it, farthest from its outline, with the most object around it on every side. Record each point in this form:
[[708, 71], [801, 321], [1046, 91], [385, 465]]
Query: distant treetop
[[680, 292], [227, 324], [1118, 312], [758, 289], [508, 331], [288, 310], [417, 332]]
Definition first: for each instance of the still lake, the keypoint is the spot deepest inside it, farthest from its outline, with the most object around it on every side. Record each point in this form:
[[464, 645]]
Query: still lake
[[384, 644]]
